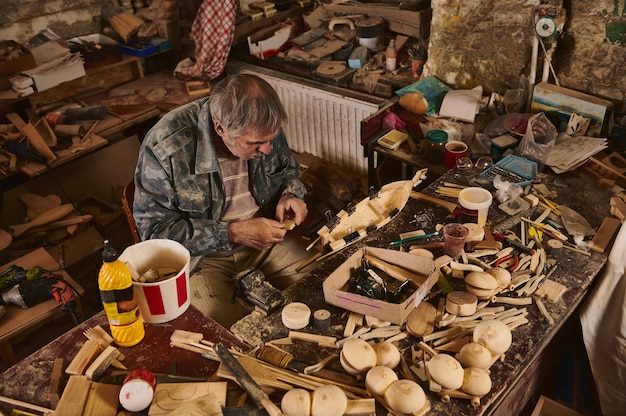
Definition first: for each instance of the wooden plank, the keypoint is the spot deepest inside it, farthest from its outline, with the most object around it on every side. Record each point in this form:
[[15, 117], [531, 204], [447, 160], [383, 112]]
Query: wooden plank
[[102, 399], [75, 395], [56, 383]]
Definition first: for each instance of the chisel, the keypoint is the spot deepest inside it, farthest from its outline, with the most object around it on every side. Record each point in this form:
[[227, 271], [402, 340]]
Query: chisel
[[245, 380]]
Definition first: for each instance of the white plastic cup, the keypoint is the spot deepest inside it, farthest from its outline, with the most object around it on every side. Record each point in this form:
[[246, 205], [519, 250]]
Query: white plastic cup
[[164, 300], [474, 203]]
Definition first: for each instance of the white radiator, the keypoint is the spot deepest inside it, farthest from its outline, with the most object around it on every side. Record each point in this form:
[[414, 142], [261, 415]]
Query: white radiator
[[324, 120]]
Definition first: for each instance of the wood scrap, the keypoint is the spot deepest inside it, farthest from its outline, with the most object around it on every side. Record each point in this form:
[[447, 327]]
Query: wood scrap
[[34, 138], [52, 215], [85, 397], [102, 362], [450, 206], [56, 383], [87, 353], [37, 204], [618, 208], [604, 234], [170, 397], [24, 405]]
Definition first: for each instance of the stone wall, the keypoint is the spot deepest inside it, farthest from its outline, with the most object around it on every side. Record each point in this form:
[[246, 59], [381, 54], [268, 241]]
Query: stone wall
[[473, 42], [22, 19], [489, 43]]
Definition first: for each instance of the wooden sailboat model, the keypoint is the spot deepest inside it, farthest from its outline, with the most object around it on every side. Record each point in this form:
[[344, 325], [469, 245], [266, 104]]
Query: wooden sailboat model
[[371, 213]]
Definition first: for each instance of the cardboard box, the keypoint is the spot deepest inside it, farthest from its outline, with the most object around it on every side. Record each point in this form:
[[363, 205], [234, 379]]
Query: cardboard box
[[108, 51], [14, 66], [46, 77], [549, 407], [548, 97], [335, 294]]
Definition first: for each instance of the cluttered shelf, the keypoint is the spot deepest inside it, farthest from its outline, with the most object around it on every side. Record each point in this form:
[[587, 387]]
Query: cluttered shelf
[[103, 115]]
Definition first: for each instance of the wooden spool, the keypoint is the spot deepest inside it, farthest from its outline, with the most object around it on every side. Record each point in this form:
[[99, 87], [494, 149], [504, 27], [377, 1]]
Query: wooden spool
[[461, 303]]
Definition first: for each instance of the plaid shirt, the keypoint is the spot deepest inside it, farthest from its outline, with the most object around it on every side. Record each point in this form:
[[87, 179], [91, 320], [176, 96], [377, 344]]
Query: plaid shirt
[[179, 193], [212, 31]]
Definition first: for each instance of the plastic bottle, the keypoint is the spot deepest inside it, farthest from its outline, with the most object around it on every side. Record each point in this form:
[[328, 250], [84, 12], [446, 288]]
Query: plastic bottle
[[391, 56], [116, 290]]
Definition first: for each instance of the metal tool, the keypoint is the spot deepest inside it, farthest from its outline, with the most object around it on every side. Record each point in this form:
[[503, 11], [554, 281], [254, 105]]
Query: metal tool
[[252, 285], [245, 380]]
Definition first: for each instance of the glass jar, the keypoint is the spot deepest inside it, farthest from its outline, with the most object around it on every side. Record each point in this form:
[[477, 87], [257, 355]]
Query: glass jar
[[434, 145]]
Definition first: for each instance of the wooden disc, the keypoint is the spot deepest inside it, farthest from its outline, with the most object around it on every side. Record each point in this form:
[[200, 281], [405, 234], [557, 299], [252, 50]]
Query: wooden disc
[[156, 94], [554, 246], [296, 315], [461, 303], [421, 321]]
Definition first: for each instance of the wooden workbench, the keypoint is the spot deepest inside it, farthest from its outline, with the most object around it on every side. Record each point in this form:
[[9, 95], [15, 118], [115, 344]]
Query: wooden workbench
[[516, 380], [29, 379]]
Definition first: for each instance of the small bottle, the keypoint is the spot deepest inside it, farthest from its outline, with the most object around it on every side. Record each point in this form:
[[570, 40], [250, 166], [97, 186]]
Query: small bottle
[[391, 56], [116, 290]]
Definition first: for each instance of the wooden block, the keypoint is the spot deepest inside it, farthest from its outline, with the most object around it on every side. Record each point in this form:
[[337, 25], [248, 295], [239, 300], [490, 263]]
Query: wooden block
[[87, 353], [100, 364], [75, 394], [197, 88], [169, 397], [551, 290], [85, 397], [618, 208], [56, 382], [605, 233], [421, 321]]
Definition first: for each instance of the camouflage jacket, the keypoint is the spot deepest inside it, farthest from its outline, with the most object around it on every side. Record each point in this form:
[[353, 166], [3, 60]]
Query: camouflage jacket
[[179, 192]]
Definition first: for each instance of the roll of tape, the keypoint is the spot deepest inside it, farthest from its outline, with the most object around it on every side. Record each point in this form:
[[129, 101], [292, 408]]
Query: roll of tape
[[321, 319]]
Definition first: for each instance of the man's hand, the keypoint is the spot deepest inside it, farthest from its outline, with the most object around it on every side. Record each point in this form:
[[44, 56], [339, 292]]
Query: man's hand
[[290, 206], [258, 233]]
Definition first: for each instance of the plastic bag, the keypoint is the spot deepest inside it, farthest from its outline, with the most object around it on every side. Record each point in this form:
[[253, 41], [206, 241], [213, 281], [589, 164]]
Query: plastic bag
[[538, 140]]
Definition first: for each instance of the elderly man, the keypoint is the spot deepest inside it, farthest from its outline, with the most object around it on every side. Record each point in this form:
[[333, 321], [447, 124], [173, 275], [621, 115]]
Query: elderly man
[[217, 176]]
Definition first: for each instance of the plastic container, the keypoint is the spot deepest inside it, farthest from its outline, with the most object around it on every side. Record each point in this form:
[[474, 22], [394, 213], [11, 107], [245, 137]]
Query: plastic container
[[163, 300], [137, 390], [116, 290], [434, 146], [474, 203]]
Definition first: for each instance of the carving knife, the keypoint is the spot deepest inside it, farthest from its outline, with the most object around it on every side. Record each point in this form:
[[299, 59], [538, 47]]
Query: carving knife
[[245, 380]]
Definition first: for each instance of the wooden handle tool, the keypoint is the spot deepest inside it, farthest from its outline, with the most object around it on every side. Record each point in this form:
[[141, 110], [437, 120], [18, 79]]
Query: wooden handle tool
[[245, 380]]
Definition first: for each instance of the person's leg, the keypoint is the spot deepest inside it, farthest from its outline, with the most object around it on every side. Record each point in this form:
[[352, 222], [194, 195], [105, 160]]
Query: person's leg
[[212, 287], [279, 266]]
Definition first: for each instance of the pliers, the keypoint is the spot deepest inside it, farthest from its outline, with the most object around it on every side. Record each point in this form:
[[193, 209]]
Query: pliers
[[509, 262]]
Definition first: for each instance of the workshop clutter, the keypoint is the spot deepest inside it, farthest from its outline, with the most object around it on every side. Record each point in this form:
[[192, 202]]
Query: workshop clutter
[[425, 277], [160, 270]]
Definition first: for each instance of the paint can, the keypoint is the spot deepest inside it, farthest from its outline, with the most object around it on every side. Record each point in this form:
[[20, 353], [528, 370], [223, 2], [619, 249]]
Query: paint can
[[137, 390], [370, 32]]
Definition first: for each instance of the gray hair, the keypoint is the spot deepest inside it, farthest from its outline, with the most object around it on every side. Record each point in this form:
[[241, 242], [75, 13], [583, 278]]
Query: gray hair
[[247, 104]]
